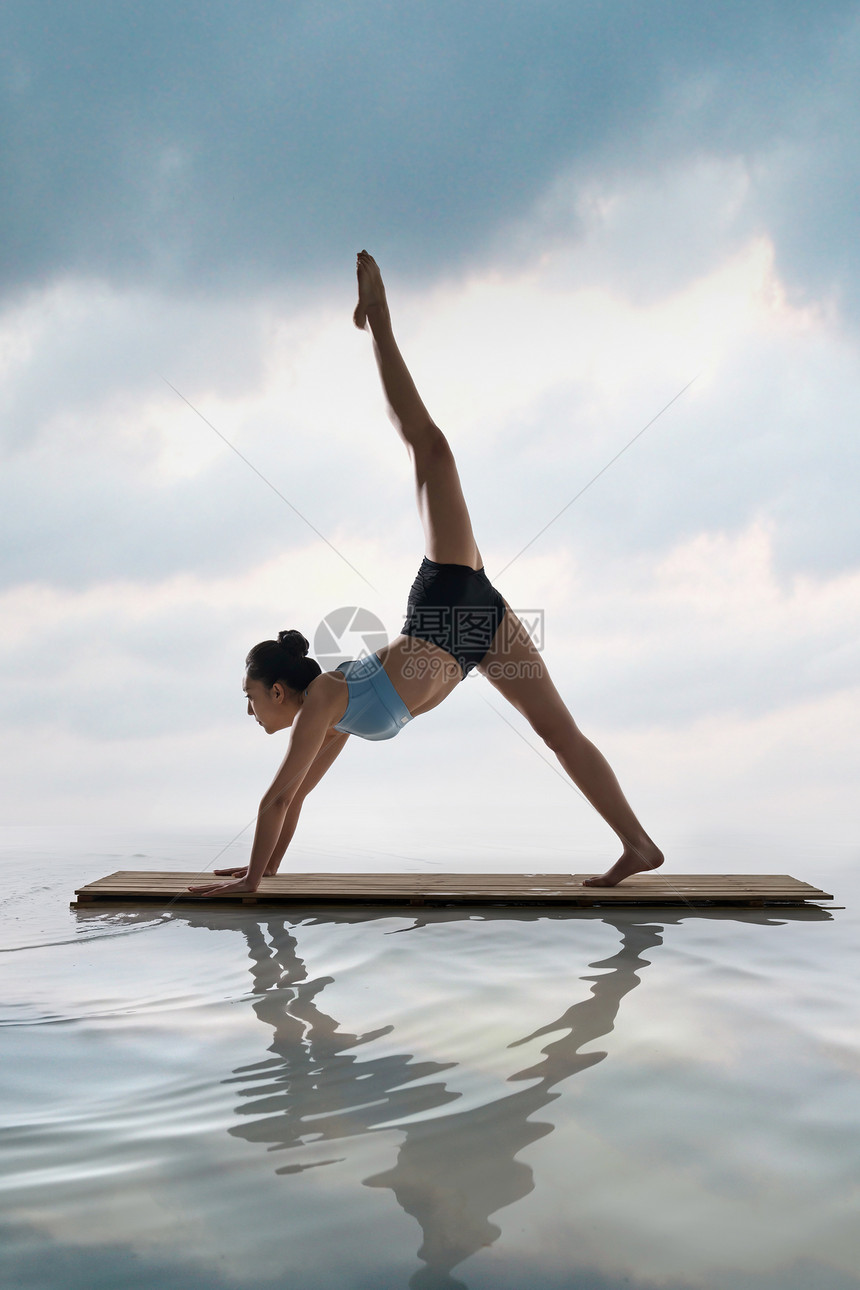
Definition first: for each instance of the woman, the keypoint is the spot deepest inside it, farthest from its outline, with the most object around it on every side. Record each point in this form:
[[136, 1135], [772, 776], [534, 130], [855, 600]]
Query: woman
[[456, 621]]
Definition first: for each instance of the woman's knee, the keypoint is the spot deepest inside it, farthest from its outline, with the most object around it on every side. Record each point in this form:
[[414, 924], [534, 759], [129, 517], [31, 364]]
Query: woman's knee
[[436, 447], [553, 734], [557, 728], [434, 462], [426, 439]]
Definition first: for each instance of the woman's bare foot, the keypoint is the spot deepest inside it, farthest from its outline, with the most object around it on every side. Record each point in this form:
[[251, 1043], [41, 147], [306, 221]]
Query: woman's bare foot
[[371, 292], [633, 860]]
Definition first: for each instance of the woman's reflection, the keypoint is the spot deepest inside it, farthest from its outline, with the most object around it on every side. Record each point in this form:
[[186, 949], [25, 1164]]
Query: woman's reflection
[[454, 1169], [315, 1070], [452, 1173]]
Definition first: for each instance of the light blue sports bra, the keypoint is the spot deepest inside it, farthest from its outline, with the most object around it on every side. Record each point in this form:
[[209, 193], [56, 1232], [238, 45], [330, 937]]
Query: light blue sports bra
[[375, 709]]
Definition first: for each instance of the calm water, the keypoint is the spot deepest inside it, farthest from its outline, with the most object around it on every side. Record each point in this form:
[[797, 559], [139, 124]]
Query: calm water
[[491, 1099]]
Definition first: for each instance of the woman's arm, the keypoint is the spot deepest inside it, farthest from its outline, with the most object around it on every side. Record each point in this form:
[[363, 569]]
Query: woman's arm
[[307, 740], [320, 765]]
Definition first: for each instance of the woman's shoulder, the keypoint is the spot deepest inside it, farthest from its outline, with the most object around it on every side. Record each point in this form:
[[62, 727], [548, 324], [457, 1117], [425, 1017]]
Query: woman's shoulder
[[326, 693], [326, 681]]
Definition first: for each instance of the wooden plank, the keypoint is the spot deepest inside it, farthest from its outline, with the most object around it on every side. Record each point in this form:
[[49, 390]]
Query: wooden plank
[[419, 888], [729, 883], [174, 880]]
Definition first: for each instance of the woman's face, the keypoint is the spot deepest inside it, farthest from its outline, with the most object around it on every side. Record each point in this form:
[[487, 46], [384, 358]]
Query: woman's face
[[273, 709]]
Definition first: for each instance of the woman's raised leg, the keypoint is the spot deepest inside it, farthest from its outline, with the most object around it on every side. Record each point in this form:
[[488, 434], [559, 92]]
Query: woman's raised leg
[[516, 669], [444, 515]]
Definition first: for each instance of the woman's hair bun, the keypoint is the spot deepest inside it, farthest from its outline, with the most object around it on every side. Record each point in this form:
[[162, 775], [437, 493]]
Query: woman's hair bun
[[293, 643], [283, 660]]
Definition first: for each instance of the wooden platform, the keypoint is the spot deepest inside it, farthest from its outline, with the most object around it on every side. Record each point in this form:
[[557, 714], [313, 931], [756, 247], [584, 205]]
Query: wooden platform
[[461, 889]]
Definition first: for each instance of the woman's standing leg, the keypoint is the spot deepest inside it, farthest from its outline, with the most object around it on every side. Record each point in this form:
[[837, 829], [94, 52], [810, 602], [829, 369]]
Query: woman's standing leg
[[516, 669], [444, 515]]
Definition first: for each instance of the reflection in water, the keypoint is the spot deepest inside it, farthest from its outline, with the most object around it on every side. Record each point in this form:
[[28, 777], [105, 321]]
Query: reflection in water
[[314, 1071], [453, 1169], [451, 1174]]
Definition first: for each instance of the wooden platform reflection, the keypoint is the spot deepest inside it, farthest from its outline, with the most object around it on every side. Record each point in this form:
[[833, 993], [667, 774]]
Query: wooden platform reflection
[[460, 889]]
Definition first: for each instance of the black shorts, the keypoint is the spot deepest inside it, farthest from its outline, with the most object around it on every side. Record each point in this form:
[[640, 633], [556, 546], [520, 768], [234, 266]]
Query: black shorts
[[456, 608]]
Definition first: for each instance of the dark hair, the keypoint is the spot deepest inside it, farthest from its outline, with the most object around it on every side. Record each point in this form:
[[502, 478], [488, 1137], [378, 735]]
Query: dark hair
[[282, 660]]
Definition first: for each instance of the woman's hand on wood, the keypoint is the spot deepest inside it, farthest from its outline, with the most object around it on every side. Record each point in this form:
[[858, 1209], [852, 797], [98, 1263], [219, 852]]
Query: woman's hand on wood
[[221, 888]]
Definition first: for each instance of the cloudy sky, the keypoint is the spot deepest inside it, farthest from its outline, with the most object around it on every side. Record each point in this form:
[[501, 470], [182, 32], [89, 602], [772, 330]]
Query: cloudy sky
[[580, 208]]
